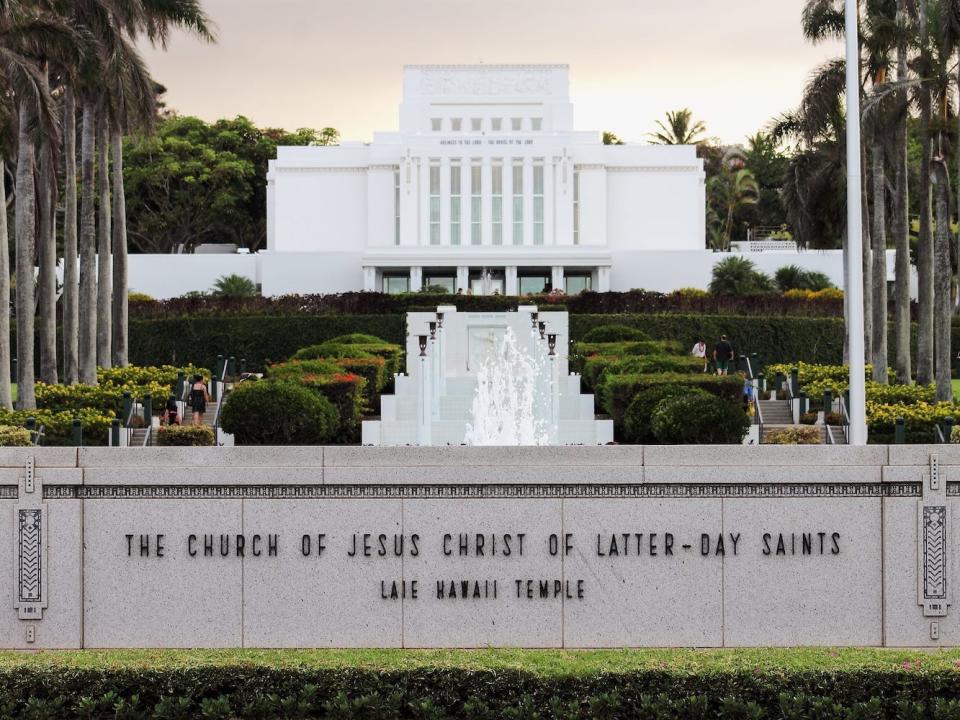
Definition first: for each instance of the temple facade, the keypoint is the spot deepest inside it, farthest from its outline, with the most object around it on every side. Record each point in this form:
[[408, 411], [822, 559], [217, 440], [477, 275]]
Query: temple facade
[[485, 188]]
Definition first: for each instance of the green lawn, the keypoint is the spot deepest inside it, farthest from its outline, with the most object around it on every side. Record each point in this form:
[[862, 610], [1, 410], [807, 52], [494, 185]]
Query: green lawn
[[543, 662]]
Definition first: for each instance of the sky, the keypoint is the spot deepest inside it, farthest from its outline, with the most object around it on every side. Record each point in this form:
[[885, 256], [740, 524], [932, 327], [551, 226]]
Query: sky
[[317, 63]]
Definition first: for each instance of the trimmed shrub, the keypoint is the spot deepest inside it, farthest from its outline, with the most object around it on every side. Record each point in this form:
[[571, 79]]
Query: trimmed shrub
[[246, 689], [596, 367], [637, 418], [582, 352], [13, 436], [805, 435], [614, 333], [258, 339], [344, 389], [739, 276], [185, 435], [58, 426], [617, 391], [774, 339], [698, 419], [278, 413], [356, 345]]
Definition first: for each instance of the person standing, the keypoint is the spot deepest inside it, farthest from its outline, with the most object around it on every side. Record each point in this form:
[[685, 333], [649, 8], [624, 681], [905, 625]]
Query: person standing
[[700, 351], [199, 397], [723, 354]]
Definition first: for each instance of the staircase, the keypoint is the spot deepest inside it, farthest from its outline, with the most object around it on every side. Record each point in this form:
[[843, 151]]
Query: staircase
[[776, 413], [138, 436]]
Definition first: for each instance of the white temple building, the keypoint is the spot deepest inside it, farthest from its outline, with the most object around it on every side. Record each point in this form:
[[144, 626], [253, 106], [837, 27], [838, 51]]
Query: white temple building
[[486, 187]]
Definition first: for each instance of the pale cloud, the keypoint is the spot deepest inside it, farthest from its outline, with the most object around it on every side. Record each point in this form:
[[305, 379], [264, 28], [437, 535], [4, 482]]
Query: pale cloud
[[316, 63]]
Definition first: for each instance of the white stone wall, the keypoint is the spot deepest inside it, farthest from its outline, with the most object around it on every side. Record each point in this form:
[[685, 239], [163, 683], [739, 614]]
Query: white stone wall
[[856, 585]]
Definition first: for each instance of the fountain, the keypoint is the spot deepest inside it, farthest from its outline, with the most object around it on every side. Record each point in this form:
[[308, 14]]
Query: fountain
[[487, 379]]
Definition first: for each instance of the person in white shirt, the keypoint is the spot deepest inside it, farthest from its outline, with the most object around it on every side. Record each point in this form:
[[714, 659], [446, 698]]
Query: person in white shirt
[[700, 351]]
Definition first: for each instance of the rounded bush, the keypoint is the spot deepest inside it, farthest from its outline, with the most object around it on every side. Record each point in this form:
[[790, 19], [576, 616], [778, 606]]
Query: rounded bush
[[185, 436], [637, 418], [698, 420], [278, 413], [13, 436], [614, 333]]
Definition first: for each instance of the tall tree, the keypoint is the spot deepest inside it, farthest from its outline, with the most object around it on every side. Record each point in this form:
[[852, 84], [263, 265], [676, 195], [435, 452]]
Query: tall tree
[[104, 243], [900, 222], [925, 259], [679, 129], [71, 289], [88, 245], [25, 218]]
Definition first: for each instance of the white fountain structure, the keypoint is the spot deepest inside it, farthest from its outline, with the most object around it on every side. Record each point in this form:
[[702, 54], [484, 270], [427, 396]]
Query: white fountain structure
[[477, 378]]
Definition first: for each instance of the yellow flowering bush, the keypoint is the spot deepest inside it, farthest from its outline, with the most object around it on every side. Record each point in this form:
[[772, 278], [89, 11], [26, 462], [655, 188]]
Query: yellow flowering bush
[[804, 435]]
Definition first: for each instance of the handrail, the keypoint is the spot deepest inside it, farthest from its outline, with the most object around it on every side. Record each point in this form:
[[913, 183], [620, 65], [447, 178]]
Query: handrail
[[147, 435], [37, 435], [216, 418], [830, 439], [941, 440], [845, 416], [758, 416]]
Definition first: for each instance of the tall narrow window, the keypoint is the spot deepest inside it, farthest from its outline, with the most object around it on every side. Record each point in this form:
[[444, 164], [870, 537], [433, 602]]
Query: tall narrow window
[[476, 124], [434, 202], [436, 124], [576, 207], [476, 212], [456, 124], [496, 124], [518, 202], [396, 206], [455, 202], [516, 124], [496, 211], [538, 201], [536, 124]]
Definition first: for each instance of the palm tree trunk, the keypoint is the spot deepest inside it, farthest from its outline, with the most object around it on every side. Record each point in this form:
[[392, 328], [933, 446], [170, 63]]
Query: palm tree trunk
[[6, 401], [104, 250], [942, 280], [71, 320], [88, 248], [900, 225], [925, 240], [879, 279], [26, 236], [47, 255], [867, 260], [120, 317]]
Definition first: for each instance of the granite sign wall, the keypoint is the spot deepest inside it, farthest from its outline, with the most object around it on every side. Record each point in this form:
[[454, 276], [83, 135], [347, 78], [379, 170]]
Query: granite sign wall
[[473, 547]]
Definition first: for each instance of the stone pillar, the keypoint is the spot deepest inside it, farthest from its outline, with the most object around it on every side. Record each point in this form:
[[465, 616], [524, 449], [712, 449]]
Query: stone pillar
[[549, 203], [557, 277], [369, 278], [416, 278], [510, 280], [508, 201], [463, 278], [603, 279], [445, 201], [528, 201], [486, 203], [423, 201]]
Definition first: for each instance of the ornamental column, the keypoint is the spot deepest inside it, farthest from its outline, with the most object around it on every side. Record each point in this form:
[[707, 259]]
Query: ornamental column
[[557, 277], [510, 281]]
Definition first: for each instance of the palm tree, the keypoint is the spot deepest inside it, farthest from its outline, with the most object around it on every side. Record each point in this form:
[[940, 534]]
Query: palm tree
[[134, 107], [925, 260], [71, 318], [900, 222], [23, 95], [680, 129], [731, 189], [104, 240]]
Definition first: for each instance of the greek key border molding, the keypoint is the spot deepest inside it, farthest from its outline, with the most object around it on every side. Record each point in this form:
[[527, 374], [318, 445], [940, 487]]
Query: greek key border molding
[[481, 490]]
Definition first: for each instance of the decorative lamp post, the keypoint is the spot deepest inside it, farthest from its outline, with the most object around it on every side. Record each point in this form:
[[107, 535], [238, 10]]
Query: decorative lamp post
[[433, 331], [552, 343], [440, 320], [423, 346], [543, 328], [854, 280], [534, 317]]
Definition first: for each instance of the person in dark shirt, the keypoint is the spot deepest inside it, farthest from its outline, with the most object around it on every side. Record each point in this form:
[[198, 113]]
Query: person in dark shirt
[[722, 355]]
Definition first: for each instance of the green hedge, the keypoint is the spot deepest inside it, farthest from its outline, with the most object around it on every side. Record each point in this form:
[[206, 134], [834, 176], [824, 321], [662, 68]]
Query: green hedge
[[257, 339], [774, 339], [244, 691], [618, 391]]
